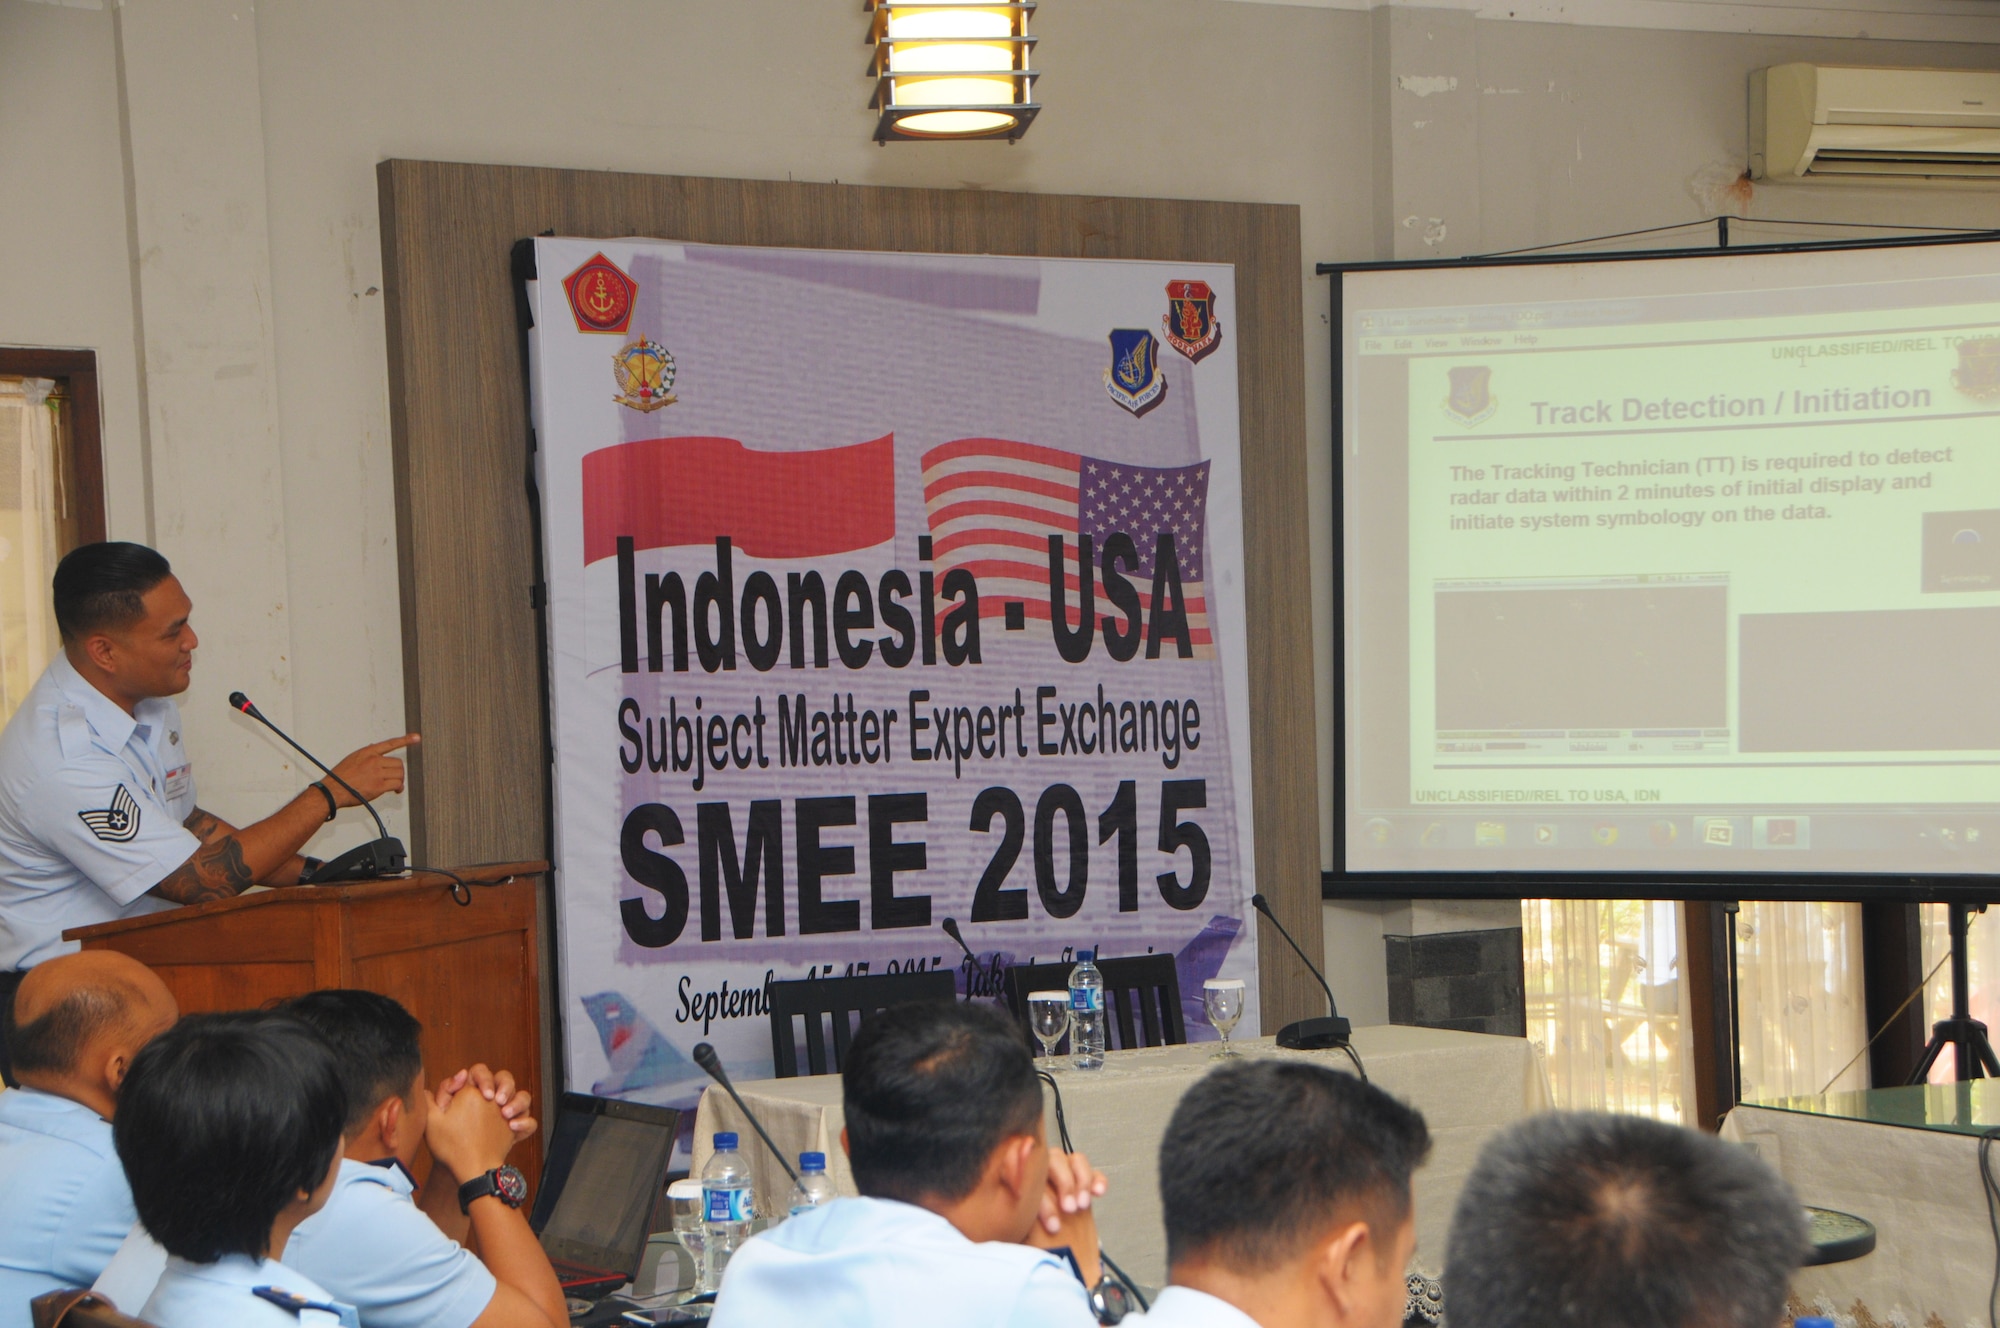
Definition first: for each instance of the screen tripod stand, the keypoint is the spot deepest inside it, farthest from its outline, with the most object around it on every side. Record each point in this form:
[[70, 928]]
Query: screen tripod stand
[[1966, 1036]]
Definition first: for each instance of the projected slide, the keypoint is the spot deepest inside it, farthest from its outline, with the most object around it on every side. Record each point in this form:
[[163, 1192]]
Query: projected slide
[[1683, 565]]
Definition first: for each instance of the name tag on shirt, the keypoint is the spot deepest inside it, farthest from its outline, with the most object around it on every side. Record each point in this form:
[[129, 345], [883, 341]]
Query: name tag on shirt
[[179, 780]]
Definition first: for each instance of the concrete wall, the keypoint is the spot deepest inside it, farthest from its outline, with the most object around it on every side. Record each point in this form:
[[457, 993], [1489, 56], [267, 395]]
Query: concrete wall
[[191, 193]]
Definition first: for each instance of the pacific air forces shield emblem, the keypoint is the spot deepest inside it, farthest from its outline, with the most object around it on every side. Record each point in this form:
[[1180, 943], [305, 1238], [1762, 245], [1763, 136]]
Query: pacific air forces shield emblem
[[1471, 398], [1190, 322], [1978, 371], [645, 373], [1134, 379], [600, 296]]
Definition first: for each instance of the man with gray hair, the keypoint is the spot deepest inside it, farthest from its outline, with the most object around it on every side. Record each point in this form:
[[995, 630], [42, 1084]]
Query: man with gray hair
[[1575, 1220]]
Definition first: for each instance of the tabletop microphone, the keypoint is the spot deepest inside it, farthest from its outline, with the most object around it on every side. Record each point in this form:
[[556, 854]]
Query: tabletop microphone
[[951, 930], [705, 1057], [1320, 1032], [382, 856]]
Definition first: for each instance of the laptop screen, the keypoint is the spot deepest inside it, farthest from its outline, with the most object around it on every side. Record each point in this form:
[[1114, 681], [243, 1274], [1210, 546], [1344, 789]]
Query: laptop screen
[[607, 1163]]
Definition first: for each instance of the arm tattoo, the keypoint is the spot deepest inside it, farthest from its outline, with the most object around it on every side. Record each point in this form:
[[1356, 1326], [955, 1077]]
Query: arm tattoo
[[216, 871], [204, 826]]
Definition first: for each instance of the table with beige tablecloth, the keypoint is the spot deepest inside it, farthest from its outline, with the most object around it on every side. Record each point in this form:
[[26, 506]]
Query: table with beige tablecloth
[[1467, 1085], [1934, 1254]]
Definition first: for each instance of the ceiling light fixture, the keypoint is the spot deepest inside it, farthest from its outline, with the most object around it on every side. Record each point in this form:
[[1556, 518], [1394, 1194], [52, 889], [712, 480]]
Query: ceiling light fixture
[[951, 69]]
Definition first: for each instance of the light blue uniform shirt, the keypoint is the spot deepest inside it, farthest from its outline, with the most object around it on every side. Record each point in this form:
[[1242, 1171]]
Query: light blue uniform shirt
[[223, 1295], [92, 802], [876, 1263], [1184, 1307], [376, 1250], [64, 1203]]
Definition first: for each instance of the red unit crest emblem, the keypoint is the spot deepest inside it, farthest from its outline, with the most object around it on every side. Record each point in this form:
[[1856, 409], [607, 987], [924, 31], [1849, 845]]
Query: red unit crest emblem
[[600, 296]]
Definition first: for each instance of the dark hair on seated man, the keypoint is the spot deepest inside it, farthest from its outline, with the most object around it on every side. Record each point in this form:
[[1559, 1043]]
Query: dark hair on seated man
[[1285, 1189], [99, 586], [929, 1095], [1578, 1220], [376, 1042], [223, 1123]]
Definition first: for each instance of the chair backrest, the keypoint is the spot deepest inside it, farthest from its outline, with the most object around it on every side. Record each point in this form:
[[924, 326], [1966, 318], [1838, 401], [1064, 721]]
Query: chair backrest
[[842, 1003], [74, 1307], [1142, 994]]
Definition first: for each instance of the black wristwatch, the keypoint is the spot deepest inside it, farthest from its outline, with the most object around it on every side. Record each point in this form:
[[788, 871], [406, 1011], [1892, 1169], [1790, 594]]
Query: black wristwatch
[[503, 1183]]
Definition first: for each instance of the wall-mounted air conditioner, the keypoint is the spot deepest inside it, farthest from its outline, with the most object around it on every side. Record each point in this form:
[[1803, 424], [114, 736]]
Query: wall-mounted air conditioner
[[1849, 125]]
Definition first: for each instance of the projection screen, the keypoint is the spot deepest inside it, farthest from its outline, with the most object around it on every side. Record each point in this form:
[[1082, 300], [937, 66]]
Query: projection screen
[[1676, 565]]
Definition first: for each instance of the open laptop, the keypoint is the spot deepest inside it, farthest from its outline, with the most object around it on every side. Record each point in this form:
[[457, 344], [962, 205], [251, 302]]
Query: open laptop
[[606, 1169]]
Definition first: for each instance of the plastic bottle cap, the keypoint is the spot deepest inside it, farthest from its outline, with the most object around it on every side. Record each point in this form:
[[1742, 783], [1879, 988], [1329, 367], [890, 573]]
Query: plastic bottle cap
[[1812, 1321], [812, 1161], [725, 1141], [1086, 956]]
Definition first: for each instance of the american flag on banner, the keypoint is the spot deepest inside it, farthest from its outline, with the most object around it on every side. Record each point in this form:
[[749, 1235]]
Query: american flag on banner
[[993, 504]]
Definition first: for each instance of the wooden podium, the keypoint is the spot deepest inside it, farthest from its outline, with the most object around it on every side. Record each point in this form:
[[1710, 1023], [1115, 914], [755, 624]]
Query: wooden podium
[[469, 972]]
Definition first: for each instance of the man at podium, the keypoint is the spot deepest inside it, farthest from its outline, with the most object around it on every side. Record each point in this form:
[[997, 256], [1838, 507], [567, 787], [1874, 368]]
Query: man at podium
[[97, 804]]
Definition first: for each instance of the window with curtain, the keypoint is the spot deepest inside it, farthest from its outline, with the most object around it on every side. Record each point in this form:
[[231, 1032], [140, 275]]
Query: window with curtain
[[1801, 1014], [32, 507], [1606, 1004]]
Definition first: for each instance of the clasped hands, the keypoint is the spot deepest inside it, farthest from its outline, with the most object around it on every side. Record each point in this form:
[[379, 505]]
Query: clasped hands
[[1065, 1218], [476, 1118]]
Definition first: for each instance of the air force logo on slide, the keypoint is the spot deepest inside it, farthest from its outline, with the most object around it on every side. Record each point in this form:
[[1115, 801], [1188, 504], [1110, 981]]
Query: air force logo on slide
[[1471, 401], [116, 824]]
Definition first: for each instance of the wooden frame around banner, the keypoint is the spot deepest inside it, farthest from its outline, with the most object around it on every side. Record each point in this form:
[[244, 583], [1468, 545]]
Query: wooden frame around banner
[[466, 535]]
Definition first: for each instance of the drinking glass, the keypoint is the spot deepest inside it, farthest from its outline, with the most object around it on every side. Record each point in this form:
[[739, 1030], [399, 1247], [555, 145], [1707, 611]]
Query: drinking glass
[[1048, 1013], [685, 1198], [1224, 998]]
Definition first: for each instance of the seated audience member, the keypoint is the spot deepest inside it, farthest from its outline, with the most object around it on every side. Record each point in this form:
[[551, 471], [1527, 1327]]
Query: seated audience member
[[229, 1127], [77, 1023], [965, 1211], [1285, 1190], [400, 1262], [1573, 1220]]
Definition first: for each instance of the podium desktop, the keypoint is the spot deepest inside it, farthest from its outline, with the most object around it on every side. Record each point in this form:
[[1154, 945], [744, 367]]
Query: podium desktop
[[469, 972]]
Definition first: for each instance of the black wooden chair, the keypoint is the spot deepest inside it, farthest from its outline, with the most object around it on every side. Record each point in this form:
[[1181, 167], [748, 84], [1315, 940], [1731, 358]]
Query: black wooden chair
[[843, 1003], [1147, 983]]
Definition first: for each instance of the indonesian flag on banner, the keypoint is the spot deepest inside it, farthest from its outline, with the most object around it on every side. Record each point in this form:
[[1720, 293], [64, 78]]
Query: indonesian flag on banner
[[993, 504], [674, 491]]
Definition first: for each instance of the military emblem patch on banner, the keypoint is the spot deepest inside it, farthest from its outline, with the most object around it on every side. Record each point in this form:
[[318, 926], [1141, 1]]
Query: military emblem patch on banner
[[645, 373], [1190, 322], [1134, 379], [1471, 399], [600, 296], [1978, 371]]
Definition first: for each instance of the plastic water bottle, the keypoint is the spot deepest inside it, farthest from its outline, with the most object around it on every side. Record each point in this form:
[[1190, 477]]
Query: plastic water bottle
[[727, 1206], [813, 1189], [1086, 1013]]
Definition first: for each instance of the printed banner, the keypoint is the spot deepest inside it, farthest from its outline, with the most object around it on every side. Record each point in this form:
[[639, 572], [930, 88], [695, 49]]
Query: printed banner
[[882, 589]]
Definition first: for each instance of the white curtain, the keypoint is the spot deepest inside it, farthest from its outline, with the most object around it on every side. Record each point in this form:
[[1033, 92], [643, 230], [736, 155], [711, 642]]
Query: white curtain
[[28, 506], [1801, 1016], [1606, 1004]]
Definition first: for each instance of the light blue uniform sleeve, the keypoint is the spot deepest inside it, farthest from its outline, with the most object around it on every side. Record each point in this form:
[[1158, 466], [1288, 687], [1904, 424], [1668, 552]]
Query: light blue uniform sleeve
[[1052, 1298], [381, 1254], [97, 815], [95, 1225]]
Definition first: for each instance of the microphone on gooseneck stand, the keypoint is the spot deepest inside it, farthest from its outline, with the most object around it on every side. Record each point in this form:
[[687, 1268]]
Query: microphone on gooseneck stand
[[951, 930], [705, 1057], [1318, 1033], [382, 856]]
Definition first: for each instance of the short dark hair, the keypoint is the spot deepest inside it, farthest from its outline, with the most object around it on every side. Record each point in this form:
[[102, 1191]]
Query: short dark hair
[[1580, 1220], [930, 1090], [375, 1041], [51, 1041], [1262, 1155], [222, 1120], [99, 586]]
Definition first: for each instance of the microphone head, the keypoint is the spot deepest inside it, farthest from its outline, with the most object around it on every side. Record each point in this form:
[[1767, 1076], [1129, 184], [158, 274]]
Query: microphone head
[[951, 930], [705, 1057], [238, 701], [1258, 902]]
